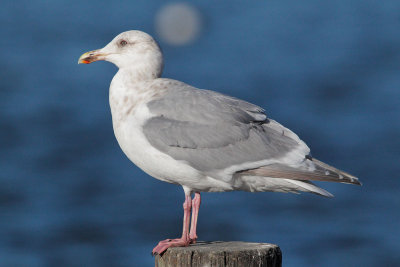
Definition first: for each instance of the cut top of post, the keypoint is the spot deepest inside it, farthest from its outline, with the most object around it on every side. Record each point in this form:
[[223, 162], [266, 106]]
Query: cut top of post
[[221, 254]]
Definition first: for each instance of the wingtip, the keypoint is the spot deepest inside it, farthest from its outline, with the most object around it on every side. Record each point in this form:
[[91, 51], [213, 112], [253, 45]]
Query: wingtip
[[344, 177], [353, 180]]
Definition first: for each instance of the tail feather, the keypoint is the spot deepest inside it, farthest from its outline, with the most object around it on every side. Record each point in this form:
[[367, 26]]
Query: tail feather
[[320, 172], [310, 187], [262, 184], [284, 178]]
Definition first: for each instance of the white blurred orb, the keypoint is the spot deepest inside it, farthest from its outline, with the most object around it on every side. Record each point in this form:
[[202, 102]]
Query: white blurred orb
[[178, 23]]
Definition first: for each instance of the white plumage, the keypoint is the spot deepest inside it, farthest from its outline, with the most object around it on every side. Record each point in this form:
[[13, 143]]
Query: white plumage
[[200, 139]]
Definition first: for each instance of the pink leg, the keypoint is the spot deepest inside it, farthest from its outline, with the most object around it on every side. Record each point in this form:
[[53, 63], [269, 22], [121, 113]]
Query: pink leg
[[184, 240], [195, 214]]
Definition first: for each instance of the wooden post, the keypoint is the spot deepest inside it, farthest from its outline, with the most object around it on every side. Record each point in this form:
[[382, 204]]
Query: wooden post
[[222, 254]]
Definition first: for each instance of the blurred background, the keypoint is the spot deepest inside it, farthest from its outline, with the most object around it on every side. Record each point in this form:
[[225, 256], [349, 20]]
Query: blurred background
[[328, 70]]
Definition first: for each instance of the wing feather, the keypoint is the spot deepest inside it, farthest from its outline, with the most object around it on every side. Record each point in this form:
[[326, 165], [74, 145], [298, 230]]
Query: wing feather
[[320, 172], [212, 131]]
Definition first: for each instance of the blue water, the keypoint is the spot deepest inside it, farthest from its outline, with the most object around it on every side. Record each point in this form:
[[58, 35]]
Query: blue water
[[329, 70]]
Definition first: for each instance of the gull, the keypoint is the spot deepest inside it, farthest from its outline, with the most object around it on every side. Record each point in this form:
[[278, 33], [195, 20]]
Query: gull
[[202, 140]]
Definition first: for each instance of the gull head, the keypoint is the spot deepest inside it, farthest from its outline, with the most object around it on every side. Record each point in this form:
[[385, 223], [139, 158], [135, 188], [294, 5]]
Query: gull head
[[134, 51]]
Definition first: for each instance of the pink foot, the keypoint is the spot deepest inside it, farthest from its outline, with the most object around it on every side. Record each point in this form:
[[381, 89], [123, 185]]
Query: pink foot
[[167, 243], [193, 239], [185, 240]]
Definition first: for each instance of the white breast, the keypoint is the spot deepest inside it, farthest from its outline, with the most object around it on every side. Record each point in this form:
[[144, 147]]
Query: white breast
[[129, 113]]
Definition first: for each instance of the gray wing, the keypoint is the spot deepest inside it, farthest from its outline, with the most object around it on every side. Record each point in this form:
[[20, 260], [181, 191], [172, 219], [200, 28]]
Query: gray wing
[[212, 131]]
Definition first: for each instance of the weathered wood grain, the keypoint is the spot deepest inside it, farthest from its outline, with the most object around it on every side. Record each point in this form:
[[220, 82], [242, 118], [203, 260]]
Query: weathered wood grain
[[222, 254]]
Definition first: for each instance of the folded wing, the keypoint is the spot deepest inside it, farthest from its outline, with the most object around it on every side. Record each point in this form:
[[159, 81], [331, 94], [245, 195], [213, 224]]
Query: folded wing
[[223, 136]]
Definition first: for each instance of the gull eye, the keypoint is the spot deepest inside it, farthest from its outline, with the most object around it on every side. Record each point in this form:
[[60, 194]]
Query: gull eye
[[123, 42]]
